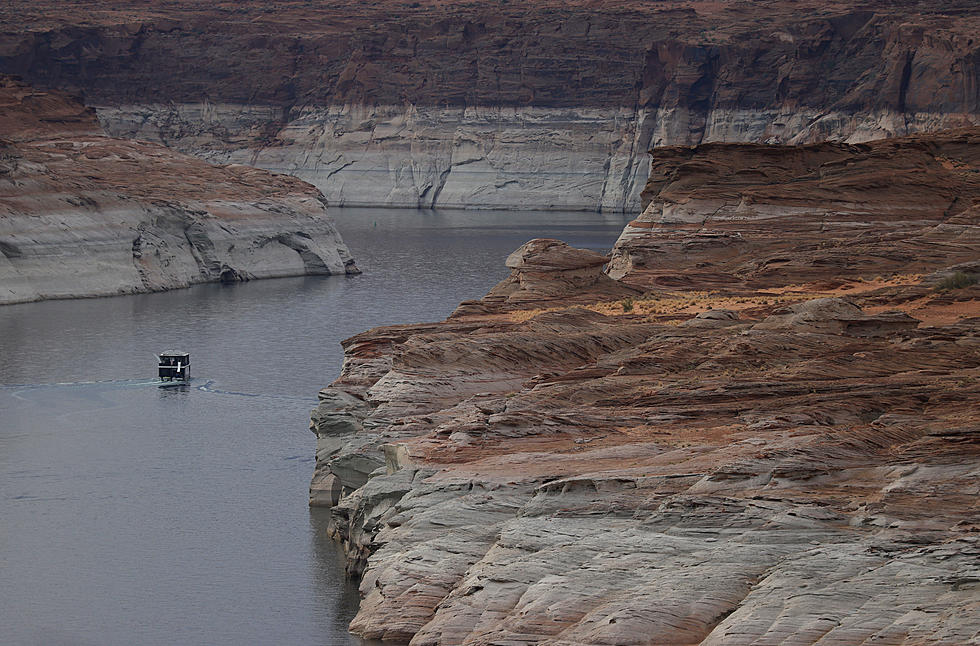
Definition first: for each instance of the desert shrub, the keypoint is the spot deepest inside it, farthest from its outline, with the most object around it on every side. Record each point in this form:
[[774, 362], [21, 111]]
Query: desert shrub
[[627, 304], [959, 280]]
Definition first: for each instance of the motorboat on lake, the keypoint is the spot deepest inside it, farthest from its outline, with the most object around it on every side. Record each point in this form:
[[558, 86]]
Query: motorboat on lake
[[174, 366]]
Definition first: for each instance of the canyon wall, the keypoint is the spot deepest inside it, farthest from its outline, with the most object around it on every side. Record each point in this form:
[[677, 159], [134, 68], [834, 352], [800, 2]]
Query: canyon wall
[[765, 432], [83, 214], [509, 105], [753, 214]]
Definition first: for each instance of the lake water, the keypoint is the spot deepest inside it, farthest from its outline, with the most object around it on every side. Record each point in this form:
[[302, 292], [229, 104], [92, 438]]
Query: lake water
[[133, 514]]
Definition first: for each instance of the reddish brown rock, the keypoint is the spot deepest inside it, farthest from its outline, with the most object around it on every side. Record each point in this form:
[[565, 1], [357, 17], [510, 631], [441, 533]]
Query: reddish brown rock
[[795, 463], [742, 216], [695, 57], [545, 271], [82, 214], [453, 104]]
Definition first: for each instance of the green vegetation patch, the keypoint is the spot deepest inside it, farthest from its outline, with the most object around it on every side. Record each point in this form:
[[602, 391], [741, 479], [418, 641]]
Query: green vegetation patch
[[959, 280]]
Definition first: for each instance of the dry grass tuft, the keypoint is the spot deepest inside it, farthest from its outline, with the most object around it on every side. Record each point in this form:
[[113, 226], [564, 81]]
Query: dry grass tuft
[[672, 307]]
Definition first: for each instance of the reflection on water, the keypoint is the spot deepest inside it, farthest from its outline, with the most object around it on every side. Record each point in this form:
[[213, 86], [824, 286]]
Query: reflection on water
[[329, 561], [134, 514]]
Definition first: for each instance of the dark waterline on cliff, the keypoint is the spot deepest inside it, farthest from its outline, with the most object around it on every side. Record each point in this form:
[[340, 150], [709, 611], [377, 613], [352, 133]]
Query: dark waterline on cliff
[[139, 515]]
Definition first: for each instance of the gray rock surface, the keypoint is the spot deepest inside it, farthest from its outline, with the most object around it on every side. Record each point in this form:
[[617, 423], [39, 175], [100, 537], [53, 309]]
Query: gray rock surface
[[82, 214], [838, 316], [798, 469], [491, 157]]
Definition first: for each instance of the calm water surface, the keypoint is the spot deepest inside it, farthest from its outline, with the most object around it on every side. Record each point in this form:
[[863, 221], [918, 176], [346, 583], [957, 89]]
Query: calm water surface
[[132, 514]]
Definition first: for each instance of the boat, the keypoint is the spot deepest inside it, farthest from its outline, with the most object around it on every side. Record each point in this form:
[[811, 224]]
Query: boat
[[174, 366]]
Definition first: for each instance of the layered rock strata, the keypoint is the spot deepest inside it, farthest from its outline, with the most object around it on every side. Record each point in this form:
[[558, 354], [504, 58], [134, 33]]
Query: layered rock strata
[[755, 214], [516, 105], [733, 456], [83, 214]]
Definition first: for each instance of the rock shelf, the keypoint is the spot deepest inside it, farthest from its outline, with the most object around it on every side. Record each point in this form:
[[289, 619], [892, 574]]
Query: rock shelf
[[764, 430]]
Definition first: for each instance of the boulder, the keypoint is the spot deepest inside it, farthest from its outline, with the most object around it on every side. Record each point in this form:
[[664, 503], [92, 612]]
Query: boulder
[[836, 316]]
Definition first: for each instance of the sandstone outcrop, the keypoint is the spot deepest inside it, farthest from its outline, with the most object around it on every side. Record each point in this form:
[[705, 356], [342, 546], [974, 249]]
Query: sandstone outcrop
[[549, 271], [83, 214], [753, 214], [736, 455], [539, 104]]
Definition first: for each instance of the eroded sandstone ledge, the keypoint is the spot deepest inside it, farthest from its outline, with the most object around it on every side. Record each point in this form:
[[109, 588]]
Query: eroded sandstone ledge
[[707, 451], [82, 214]]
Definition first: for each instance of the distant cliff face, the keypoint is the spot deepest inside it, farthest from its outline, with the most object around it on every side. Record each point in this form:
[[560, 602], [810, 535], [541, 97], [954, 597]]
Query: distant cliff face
[[82, 214], [543, 104]]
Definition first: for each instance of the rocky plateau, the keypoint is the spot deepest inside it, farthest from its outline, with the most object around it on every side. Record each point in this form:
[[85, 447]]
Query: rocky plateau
[[542, 104], [84, 214], [755, 422]]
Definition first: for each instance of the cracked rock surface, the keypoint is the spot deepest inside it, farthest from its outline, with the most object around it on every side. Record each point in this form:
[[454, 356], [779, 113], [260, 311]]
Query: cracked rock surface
[[705, 451]]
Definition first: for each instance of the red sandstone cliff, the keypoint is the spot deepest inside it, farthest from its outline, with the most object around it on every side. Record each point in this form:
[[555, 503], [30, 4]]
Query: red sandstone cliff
[[907, 57], [448, 104]]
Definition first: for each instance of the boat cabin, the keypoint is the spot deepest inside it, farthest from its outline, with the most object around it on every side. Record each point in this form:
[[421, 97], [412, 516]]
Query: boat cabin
[[175, 365]]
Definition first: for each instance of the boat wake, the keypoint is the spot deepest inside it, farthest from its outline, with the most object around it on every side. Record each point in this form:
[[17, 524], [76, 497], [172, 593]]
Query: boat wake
[[208, 387], [124, 383], [203, 385]]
